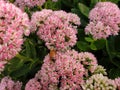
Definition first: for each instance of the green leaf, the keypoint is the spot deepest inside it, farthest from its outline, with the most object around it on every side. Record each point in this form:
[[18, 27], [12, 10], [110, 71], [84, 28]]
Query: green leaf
[[21, 72], [84, 9], [49, 4], [93, 47], [30, 48], [88, 39], [100, 44], [83, 45], [15, 64]]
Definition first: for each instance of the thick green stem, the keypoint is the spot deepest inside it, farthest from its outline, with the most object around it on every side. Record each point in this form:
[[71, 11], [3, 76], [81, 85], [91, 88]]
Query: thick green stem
[[109, 53], [23, 58], [39, 7]]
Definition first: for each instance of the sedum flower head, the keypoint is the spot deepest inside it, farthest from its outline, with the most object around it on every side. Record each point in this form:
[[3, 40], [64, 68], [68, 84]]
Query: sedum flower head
[[100, 69], [13, 25], [88, 60], [33, 84], [8, 84], [104, 20], [63, 73], [99, 82], [117, 82], [67, 71], [28, 3], [56, 28]]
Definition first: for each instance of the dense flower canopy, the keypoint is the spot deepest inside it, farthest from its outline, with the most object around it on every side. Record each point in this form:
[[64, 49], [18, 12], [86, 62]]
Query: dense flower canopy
[[46, 45], [66, 71]]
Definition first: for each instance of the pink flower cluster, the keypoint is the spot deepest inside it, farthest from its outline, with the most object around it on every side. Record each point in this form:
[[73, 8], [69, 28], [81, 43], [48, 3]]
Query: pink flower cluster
[[117, 82], [89, 61], [56, 28], [13, 25], [33, 84], [8, 84], [29, 3], [104, 20], [65, 72]]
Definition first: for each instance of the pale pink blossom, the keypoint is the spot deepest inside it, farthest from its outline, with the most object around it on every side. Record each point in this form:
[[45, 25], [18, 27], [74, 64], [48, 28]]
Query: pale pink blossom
[[56, 28], [117, 82], [104, 20], [8, 84], [28, 3], [38, 18], [64, 72], [20, 4], [14, 24], [32, 3], [98, 30], [33, 84], [88, 60]]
